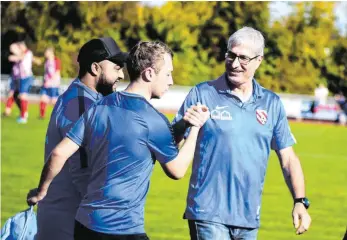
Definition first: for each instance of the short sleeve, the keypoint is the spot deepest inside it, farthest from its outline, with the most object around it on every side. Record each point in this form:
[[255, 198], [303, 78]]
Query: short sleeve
[[78, 133], [282, 136], [160, 139], [75, 107], [274, 144], [191, 99], [57, 64]]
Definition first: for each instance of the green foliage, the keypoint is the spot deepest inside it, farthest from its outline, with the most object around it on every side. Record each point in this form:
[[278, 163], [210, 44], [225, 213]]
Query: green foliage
[[302, 49], [304, 41]]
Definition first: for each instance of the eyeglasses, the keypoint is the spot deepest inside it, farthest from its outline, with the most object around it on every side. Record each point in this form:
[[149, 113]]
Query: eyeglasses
[[244, 60]]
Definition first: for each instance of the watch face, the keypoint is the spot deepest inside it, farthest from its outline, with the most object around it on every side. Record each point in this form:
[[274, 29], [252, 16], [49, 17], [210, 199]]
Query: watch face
[[306, 202]]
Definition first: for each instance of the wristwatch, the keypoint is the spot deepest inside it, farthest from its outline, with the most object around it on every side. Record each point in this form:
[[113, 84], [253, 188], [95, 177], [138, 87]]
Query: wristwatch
[[304, 201]]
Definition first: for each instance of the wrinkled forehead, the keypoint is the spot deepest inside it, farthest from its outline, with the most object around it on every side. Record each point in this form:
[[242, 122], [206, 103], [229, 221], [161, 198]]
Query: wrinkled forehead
[[253, 44], [245, 49]]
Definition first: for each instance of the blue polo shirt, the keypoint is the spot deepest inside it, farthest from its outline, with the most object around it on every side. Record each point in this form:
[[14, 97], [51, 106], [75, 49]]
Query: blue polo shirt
[[232, 152], [62, 194], [123, 134]]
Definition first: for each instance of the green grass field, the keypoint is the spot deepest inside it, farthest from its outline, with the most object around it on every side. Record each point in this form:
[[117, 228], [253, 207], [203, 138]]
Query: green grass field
[[321, 148]]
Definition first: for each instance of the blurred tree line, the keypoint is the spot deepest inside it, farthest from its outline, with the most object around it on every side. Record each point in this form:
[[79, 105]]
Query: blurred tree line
[[302, 49]]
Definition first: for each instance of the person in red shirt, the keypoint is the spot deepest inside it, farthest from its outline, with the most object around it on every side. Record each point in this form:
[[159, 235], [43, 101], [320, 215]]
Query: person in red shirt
[[51, 81]]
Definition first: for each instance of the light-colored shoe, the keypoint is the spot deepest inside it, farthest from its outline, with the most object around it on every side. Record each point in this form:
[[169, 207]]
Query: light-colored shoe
[[21, 120]]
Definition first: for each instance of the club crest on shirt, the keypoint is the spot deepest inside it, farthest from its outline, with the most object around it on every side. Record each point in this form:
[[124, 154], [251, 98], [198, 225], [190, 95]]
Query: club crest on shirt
[[261, 116]]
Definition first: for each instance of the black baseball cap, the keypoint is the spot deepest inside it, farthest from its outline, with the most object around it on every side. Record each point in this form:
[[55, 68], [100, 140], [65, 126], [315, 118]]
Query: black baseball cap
[[99, 49]]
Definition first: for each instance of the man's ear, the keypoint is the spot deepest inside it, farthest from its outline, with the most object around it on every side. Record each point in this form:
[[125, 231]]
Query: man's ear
[[148, 74], [95, 69], [260, 58]]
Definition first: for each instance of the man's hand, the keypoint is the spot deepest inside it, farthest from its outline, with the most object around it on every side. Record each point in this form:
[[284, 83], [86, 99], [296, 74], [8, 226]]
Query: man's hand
[[197, 115], [301, 218], [34, 196]]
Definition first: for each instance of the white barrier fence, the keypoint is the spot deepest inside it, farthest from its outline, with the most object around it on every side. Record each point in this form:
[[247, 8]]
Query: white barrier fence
[[297, 106]]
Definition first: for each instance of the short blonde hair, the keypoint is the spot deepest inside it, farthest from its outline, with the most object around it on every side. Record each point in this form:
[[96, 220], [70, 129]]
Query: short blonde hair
[[144, 55]]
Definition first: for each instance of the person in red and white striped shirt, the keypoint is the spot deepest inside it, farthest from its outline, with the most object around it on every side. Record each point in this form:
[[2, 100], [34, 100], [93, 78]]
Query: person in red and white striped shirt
[[14, 80], [51, 81], [25, 59]]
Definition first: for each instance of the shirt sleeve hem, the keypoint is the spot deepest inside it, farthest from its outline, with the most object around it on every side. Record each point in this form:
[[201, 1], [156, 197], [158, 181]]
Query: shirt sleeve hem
[[166, 160], [74, 138], [283, 146]]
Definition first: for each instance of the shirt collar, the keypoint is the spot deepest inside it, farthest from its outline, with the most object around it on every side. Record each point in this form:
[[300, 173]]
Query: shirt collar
[[92, 93], [223, 87]]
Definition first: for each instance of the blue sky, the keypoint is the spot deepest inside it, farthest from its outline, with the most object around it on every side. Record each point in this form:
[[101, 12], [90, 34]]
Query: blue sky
[[279, 9]]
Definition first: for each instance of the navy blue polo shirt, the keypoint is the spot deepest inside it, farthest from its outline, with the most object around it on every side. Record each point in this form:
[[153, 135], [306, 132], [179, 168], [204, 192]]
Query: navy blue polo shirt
[[62, 193]]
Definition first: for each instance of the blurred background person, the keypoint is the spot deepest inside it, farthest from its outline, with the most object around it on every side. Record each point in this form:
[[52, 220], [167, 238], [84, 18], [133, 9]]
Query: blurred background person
[[341, 101], [25, 60], [321, 94], [51, 81], [342, 104], [320, 97], [14, 80]]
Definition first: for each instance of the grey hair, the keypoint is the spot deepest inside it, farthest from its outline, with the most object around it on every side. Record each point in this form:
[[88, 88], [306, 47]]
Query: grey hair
[[248, 35]]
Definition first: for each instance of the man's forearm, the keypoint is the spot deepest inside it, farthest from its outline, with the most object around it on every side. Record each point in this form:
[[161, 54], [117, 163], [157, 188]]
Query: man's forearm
[[51, 169], [294, 177], [14, 58], [188, 149], [178, 167], [53, 166]]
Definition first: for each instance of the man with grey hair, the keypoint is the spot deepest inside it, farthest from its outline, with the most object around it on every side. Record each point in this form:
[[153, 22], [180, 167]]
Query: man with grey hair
[[233, 147]]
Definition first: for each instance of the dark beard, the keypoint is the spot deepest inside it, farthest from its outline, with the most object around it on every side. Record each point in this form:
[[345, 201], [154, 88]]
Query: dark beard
[[103, 86], [155, 97]]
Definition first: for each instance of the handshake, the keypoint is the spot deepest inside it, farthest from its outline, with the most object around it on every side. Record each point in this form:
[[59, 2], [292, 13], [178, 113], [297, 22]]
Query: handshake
[[197, 115]]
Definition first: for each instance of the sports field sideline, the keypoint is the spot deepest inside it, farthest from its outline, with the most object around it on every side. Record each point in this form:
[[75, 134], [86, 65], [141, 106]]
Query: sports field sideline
[[321, 148]]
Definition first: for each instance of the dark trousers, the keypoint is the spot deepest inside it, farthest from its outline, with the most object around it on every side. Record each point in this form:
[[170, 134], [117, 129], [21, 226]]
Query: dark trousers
[[84, 233]]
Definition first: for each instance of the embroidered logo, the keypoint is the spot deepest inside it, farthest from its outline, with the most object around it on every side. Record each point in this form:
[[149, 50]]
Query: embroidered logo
[[219, 113], [261, 116]]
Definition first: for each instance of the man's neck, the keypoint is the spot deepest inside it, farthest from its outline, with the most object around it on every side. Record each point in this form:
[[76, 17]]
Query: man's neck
[[242, 91], [89, 81], [139, 87]]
